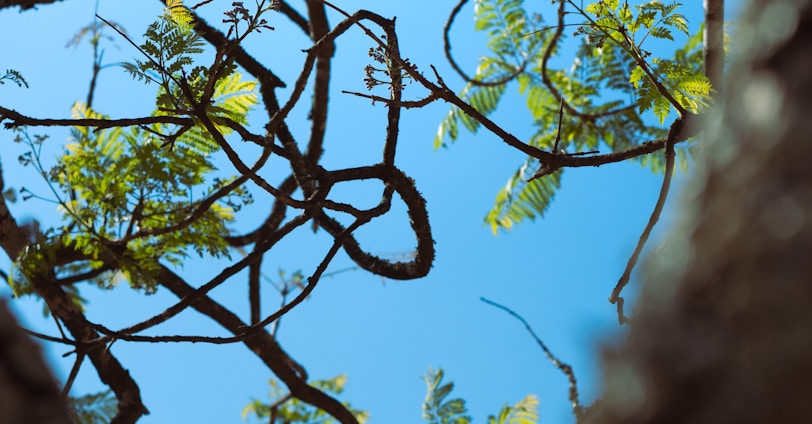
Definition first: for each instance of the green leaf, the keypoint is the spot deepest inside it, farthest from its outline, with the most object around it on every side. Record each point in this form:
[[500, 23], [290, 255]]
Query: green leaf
[[524, 411], [662, 107], [484, 100], [625, 14], [96, 408], [520, 200], [291, 410], [662, 32], [179, 14], [447, 126], [539, 101], [636, 76], [677, 21], [438, 410], [235, 97]]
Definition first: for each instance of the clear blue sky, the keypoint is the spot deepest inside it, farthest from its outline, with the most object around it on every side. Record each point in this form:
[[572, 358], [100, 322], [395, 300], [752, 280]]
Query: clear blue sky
[[557, 272]]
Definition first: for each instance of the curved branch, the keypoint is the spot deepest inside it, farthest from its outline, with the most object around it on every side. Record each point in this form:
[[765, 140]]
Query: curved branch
[[418, 217], [566, 369], [110, 370], [615, 297], [272, 222], [294, 16], [447, 48]]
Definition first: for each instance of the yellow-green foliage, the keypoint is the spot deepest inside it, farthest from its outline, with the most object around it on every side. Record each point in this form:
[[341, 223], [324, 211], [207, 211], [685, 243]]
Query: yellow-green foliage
[[131, 195], [294, 411], [605, 73], [124, 185], [438, 409]]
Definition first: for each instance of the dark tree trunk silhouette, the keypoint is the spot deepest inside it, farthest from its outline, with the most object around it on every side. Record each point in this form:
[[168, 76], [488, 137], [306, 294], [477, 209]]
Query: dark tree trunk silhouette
[[28, 390], [723, 332]]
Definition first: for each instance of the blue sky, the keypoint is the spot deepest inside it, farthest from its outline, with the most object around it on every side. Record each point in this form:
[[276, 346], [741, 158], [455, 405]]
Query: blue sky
[[557, 272]]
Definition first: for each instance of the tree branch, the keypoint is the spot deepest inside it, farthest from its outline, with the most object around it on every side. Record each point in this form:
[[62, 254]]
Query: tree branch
[[714, 37]]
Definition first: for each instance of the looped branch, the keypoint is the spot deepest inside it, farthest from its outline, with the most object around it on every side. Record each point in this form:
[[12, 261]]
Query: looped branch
[[398, 182]]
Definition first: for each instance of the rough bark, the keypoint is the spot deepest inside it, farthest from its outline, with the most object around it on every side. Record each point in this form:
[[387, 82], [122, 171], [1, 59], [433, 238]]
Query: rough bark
[[24, 4], [13, 239], [723, 332], [714, 36], [28, 391]]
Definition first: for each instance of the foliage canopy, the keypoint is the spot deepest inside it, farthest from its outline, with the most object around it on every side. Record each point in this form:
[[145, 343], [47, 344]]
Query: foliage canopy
[[604, 96]]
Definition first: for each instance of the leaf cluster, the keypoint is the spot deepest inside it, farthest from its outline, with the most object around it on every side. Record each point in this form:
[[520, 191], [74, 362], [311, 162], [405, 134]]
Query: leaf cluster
[[607, 92], [613, 22], [514, 41], [169, 46], [125, 196], [129, 194], [94, 408], [290, 410], [438, 410]]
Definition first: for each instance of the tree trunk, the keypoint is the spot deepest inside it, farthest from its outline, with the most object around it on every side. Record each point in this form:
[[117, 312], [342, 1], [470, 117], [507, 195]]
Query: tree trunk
[[28, 390], [723, 332]]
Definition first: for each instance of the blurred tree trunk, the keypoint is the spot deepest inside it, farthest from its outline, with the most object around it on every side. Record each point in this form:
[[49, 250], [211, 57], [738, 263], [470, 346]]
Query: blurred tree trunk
[[723, 332], [28, 390]]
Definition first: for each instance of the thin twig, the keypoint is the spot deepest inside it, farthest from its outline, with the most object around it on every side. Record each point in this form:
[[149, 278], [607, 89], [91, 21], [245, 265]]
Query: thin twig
[[473, 81], [577, 409], [150, 58], [560, 122], [74, 371], [548, 82], [615, 297], [546, 168], [408, 104], [47, 337]]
